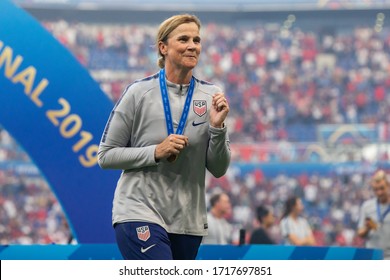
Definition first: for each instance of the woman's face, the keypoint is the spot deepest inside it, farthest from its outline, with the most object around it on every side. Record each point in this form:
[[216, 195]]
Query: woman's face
[[298, 208], [183, 47]]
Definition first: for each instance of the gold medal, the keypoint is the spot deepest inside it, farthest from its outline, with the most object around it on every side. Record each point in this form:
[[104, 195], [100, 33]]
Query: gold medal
[[172, 158]]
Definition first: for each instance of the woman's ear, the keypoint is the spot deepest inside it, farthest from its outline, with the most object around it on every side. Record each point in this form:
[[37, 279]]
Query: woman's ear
[[162, 48]]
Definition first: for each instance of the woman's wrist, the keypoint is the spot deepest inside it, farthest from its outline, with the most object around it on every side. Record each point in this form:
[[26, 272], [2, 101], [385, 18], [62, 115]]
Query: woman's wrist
[[222, 125]]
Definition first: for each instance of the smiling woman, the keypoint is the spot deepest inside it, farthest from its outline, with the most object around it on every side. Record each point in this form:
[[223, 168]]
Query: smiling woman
[[180, 52], [159, 209]]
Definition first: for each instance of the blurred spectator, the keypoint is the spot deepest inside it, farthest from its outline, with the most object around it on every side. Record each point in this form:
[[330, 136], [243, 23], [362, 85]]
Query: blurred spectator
[[295, 228], [286, 81], [374, 220], [220, 231], [29, 213], [266, 220]]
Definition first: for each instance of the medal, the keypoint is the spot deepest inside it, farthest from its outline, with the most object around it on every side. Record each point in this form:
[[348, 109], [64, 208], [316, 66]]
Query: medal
[[172, 158], [167, 108], [381, 217]]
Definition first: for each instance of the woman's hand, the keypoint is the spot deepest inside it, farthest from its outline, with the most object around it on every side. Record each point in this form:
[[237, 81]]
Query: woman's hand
[[219, 110], [171, 147]]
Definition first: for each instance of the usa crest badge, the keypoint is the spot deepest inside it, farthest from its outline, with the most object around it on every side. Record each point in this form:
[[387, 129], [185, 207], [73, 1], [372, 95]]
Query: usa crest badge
[[143, 233], [200, 107]]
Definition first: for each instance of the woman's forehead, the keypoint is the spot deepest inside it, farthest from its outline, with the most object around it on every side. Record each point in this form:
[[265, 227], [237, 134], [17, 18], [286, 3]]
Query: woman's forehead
[[189, 28]]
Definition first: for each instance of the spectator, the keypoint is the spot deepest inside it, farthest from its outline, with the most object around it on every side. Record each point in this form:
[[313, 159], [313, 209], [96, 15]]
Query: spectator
[[374, 220], [220, 231], [266, 220], [295, 229], [278, 104]]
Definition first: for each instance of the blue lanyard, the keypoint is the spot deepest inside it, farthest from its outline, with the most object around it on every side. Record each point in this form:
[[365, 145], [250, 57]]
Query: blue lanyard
[[381, 218], [167, 108]]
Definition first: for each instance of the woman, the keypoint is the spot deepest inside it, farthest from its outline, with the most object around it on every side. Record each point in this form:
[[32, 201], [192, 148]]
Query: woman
[[164, 132], [266, 219], [294, 228]]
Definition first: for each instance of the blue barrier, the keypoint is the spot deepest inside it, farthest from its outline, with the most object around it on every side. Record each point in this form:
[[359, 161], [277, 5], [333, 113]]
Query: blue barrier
[[206, 252]]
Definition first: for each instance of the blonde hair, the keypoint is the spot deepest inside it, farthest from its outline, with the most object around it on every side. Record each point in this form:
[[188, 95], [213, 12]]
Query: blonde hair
[[167, 26], [378, 177]]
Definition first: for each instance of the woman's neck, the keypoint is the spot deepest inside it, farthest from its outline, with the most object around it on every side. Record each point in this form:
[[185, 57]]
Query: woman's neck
[[294, 216], [178, 76]]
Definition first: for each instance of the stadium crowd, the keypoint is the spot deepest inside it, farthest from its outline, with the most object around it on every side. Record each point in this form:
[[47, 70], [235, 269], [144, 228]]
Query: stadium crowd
[[331, 200], [281, 82], [29, 212]]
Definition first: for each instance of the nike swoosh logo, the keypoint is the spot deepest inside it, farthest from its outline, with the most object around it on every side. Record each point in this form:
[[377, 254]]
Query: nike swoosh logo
[[147, 248], [196, 124]]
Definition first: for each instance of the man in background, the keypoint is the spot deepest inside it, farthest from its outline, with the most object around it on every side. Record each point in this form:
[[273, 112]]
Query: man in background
[[219, 229], [374, 219]]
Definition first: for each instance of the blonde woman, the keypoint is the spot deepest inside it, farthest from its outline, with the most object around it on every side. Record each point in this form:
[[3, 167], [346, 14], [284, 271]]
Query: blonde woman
[[164, 132]]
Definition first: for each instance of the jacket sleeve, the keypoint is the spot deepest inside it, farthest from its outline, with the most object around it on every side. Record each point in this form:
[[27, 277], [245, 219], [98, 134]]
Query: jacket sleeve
[[218, 151], [115, 150]]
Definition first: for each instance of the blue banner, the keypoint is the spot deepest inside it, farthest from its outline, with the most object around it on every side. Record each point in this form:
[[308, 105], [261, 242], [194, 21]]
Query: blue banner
[[206, 252], [271, 170], [57, 112]]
